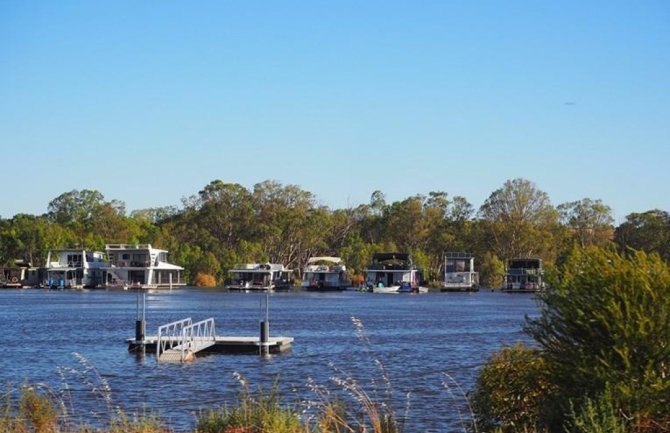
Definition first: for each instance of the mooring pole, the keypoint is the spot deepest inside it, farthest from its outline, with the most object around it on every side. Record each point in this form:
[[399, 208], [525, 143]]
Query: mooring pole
[[140, 322], [264, 347]]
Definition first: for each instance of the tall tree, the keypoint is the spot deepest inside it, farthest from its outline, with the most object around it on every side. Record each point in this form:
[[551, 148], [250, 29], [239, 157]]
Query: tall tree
[[75, 207], [226, 213], [647, 231], [520, 220], [286, 221], [589, 220]]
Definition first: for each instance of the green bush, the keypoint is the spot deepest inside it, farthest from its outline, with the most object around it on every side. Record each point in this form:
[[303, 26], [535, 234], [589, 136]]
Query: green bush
[[599, 415], [512, 391], [258, 412], [605, 324]]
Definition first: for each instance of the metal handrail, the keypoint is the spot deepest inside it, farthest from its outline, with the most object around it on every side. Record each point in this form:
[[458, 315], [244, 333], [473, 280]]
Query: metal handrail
[[169, 335], [197, 336]]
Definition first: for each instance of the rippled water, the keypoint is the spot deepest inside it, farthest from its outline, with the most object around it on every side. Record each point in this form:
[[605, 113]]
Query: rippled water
[[417, 338]]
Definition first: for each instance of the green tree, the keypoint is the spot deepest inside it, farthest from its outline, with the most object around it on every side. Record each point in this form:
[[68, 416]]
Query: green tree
[[647, 231], [491, 271], [589, 220], [287, 222], [75, 207], [93, 220], [605, 324], [520, 221], [29, 238], [512, 391]]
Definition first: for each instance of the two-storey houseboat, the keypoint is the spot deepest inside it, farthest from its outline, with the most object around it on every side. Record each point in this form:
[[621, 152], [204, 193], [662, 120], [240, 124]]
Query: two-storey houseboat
[[524, 275], [459, 273], [140, 266], [393, 273], [74, 269], [259, 277], [325, 273]]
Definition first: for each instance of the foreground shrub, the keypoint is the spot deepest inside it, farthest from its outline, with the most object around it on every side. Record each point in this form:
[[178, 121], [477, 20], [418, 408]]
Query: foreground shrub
[[605, 324], [257, 412], [512, 391], [599, 415], [36, 412], [146, 423]]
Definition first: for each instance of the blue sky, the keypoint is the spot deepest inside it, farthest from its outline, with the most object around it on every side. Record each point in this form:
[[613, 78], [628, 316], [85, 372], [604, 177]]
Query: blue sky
[[149, 101]]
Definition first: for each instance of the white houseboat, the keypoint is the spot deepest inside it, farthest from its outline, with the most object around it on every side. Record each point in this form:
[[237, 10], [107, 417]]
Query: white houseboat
[[459, 273], [140, 266], [524, 275], [325, 273], [259, 277], [74, 269], [393, 273]]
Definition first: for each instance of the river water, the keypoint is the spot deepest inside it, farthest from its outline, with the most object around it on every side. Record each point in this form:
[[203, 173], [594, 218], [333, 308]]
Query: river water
[[72, 344]]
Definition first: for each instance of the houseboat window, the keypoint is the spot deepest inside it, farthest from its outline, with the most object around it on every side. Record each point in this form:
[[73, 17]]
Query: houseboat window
[[125, 256]]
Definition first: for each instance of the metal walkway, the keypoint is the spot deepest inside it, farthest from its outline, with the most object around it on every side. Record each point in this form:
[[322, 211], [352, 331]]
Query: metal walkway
[[179, 341]]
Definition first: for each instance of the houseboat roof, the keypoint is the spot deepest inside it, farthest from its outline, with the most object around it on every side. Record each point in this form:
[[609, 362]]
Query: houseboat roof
[[259, 267], [132, 247], [457, 255], [74, 250], [335, 260], [391, 262], [527, 262], [380, 257]]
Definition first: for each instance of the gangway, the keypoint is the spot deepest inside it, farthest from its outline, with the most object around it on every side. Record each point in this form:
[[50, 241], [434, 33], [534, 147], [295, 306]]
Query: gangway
[[178, 341]]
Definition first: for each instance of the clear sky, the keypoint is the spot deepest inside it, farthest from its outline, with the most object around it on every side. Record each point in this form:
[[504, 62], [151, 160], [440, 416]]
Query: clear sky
[[149, 101]]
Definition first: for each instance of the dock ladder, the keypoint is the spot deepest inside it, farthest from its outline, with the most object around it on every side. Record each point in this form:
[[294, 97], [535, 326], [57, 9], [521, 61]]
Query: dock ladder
[[178, 341]]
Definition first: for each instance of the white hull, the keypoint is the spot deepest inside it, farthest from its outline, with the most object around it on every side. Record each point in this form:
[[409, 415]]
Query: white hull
[[249, 288], [396, 289]]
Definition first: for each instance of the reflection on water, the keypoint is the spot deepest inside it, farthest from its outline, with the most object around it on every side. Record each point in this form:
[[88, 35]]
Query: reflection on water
[[417, 337]]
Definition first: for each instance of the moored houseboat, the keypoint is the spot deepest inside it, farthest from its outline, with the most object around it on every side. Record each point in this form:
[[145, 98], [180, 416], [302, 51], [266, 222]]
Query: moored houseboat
[[16, 275], [140, 266], [524, 275], [459, 273], [393, 273], [324, 274], [74, 268], [259, 277]]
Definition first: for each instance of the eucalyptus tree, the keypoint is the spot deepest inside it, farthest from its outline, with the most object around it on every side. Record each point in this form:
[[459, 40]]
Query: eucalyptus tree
[[439, 232], [225, 211], [647, 231], [520, 220], [406, 225], [343, 223], [93, 220], [75, 207], [29, 237], [373, 218], [154, 215], [590, 221], [287, 222]]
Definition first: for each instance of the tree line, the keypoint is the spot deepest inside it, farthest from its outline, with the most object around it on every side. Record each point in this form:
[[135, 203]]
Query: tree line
[[226, 224]]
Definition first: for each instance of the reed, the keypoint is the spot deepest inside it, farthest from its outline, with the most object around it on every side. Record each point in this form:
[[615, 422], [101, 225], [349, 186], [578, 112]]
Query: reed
[[259, 411]]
